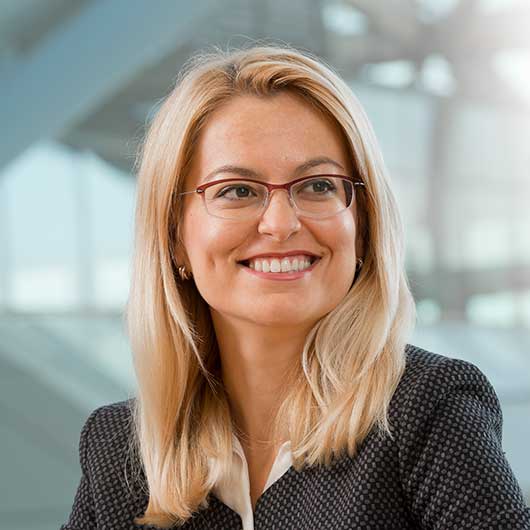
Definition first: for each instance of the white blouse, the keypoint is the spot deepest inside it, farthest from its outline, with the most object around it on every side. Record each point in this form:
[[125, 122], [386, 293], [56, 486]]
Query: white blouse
[[234, 489]]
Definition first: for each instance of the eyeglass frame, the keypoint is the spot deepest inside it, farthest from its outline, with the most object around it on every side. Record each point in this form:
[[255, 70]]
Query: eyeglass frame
[[271, 187]]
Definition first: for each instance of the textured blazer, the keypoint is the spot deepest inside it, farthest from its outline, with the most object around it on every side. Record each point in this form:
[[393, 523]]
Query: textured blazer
[[444, 468]]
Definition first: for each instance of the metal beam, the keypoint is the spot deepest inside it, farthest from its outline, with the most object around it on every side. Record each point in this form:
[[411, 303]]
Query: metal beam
[[87, 60]]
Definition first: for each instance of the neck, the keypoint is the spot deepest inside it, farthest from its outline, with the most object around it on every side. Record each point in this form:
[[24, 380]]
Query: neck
[[256, 362]]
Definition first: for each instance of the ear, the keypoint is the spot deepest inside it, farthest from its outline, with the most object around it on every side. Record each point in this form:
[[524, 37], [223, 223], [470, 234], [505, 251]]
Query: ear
[[178, 251], [359, 248], [181, 256]]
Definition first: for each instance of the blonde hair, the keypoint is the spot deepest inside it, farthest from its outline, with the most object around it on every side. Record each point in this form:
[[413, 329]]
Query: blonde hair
[[353, 358]]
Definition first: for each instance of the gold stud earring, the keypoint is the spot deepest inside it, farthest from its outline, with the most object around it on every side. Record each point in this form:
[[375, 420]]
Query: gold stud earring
[[183, 273], [359, 264]]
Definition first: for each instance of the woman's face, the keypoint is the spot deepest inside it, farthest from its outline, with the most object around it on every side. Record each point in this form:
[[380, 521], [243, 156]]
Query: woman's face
[[270, 136]]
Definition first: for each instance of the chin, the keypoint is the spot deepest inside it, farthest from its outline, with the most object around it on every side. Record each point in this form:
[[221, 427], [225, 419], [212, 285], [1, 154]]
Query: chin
[[289, 315]]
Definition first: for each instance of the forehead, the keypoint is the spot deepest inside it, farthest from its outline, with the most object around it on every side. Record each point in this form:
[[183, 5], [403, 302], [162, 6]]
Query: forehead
[[267, 134]]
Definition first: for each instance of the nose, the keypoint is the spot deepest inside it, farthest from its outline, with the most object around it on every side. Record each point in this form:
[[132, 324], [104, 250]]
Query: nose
[[279, 219]]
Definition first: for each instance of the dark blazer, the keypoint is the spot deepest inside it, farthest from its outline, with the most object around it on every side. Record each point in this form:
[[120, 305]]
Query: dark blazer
[[445, 468]]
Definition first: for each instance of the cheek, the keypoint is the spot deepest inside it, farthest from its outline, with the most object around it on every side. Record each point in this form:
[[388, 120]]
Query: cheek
[[209, 242], [340, 236], [344, 254]]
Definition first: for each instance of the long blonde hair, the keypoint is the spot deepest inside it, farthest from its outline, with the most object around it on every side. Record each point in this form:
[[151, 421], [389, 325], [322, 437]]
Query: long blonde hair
[[353, 358]]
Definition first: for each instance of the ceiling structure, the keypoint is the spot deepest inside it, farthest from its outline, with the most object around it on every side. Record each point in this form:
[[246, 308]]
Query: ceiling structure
[[88, 73]]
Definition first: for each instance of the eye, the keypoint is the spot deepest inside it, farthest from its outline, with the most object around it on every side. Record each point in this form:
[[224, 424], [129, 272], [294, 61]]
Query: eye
[[242, 192], [320, 185]]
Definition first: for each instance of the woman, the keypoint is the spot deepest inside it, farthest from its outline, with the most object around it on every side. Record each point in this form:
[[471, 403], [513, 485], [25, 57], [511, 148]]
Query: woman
[[269, 314]]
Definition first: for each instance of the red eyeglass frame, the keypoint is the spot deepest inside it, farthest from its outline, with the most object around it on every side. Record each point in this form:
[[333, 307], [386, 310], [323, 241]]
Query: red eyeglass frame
[[271, 187]]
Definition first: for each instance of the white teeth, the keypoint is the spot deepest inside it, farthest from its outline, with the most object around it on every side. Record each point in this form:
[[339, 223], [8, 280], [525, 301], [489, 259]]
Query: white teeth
[[275, 265], [287, 264]]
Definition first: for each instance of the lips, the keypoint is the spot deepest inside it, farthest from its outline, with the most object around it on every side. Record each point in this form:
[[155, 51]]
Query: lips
[[246, 262], [293, 274]]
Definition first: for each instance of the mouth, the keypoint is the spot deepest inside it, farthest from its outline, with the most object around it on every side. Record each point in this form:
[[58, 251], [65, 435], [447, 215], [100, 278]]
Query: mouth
[[246, 263]]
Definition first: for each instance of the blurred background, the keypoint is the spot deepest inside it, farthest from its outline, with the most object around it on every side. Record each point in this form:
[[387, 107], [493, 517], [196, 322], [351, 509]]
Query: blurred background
[[446, 84]]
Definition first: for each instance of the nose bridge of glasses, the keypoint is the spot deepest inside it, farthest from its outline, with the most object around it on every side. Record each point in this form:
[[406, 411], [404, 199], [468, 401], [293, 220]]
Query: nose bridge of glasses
[[279, 188]]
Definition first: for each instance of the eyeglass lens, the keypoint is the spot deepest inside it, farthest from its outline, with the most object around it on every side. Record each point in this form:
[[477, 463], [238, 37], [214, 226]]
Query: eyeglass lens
[[321, 196]]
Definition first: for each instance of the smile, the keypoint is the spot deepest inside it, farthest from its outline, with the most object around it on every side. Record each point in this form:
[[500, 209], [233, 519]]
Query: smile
[[282, 276]]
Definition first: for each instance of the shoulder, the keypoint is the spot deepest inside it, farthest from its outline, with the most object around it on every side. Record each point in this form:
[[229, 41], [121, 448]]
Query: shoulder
[[110, 421], [436, 384], [449, 446], [113, 414], [427, 372], [437, 392], [107, 435], [113, 485]]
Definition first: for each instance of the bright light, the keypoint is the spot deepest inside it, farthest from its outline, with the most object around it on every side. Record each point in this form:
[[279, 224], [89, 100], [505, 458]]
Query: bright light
[[343, 19]]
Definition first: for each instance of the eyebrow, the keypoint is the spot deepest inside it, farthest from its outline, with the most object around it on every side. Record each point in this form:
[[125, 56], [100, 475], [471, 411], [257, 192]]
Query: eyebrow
[[250, 173]]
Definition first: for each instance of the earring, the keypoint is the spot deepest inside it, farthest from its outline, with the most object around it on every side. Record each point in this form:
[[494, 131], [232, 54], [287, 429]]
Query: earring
[[183, 273], [359, 264]]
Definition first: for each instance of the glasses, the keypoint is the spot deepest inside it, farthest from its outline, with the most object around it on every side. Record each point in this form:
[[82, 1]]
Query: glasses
[[317, 196]]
